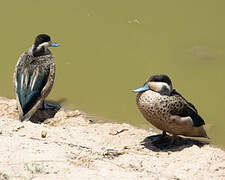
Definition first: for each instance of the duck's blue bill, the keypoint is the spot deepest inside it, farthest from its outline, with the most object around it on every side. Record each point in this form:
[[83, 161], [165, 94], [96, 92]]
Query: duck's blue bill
[[53, 44], [141, 89]]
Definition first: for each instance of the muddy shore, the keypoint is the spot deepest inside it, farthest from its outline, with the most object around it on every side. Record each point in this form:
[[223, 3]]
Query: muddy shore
[[73, 146]]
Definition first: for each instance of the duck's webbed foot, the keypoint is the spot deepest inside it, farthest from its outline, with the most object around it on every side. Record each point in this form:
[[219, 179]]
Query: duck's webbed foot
[[49, 106], [165, 142]]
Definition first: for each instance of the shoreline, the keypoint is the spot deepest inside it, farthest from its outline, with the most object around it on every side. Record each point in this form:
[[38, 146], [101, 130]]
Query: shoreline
[[70, 145]]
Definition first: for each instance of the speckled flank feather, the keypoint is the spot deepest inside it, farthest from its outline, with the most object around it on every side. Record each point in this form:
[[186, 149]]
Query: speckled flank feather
[[168, 113], [33, 80]]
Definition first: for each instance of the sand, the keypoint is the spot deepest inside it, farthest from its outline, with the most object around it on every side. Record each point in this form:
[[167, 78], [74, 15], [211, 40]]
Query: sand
[[73, 146]]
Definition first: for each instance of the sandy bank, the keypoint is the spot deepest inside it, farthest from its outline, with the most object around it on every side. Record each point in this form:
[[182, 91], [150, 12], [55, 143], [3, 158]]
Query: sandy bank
[[75, 147]]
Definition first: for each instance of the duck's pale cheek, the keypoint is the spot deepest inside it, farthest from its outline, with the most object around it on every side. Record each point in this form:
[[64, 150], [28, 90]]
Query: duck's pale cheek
[[159, 87], [155, 86], [45, 44]]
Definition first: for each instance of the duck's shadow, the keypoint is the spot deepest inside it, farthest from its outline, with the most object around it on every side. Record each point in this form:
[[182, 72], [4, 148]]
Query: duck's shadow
[[180, 143], [42, 114]]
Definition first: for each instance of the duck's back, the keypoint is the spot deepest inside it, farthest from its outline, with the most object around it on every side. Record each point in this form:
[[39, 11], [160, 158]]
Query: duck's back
[[29, 62]]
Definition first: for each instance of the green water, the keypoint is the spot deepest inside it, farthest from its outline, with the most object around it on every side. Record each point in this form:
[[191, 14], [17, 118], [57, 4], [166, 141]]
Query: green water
[[110, 47]]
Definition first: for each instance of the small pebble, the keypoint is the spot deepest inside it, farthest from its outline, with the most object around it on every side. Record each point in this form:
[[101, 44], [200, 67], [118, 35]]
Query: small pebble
[[43, 134]]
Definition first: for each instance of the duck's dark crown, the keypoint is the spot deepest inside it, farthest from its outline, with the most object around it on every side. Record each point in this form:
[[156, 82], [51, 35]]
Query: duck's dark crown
[[41, 38], [160, 78]]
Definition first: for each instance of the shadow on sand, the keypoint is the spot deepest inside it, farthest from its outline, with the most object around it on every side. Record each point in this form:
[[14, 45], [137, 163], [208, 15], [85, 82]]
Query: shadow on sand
[[41, 115], [179, 144]]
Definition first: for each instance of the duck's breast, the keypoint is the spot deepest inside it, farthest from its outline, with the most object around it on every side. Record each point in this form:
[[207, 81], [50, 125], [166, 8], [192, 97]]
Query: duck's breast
[[154, 107]]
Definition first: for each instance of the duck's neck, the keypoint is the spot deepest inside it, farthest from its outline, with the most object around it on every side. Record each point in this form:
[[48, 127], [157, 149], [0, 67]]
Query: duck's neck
[[39, 51]]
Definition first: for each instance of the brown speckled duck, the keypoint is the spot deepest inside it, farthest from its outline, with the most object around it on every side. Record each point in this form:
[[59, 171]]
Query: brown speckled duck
[[167, 110], [34, 77]]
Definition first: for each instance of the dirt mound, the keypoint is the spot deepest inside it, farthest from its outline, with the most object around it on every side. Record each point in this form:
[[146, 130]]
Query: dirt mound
[[72, 146]]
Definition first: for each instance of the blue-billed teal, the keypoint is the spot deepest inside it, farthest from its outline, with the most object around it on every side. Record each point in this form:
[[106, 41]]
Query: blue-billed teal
[[34, 76], [168, 110]]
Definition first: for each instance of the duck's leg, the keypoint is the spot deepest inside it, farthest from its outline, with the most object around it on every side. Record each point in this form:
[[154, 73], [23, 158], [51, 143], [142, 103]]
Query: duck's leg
[[163, 141], [42, 106], [173, 140], [158, 137], [164, 134], [49, 106], [166, 143]]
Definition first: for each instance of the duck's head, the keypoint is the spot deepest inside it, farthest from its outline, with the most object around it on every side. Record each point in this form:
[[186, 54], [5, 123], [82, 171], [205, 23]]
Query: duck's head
[[160, 83], [41, 43]]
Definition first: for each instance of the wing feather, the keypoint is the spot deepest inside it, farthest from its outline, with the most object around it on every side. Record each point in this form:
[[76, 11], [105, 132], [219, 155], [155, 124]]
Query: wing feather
[[174, 92], [30, 82], [188, 109]]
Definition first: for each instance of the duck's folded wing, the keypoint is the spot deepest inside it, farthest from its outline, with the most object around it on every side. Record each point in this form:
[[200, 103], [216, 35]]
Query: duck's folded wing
[[174, 92], [188, 109], [30, 82]]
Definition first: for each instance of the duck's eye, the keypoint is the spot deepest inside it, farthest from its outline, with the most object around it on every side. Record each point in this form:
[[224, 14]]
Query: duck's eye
[[165, 90]]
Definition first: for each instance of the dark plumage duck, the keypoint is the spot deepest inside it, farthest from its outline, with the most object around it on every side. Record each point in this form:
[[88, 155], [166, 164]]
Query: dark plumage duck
[[167, 110], [34, 76]]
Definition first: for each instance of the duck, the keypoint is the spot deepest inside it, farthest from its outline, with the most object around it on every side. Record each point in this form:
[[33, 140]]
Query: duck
[[168, 110], [34, 76]]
